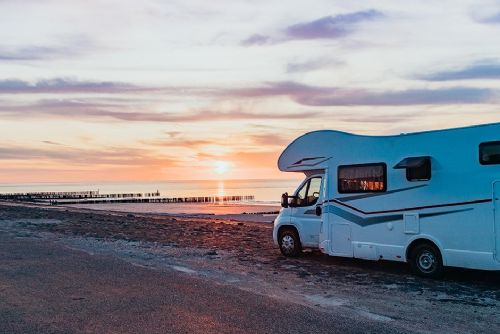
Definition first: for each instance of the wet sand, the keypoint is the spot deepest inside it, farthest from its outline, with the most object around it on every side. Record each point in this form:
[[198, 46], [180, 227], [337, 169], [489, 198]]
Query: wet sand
[[241, 255], [183, 208]]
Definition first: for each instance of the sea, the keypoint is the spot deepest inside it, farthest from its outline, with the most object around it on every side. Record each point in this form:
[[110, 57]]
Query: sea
[[267, 193]]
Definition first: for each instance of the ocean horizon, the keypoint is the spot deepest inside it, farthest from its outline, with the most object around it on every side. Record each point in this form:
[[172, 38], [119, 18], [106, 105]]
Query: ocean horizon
[[264, 190]]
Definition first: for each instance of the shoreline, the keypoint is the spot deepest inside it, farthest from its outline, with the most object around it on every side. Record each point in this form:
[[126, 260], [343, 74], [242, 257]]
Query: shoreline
[[265, 213]]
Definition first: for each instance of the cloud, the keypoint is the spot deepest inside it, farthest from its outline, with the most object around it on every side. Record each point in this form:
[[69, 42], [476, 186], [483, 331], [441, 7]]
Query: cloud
[[268, 139], [270, 89], [300, 93], [114, 156], [311, 65], [248, 142], [62, 85], [244, 158], [331, 27], [386, 118], [485, 70], [328, 27], [69, 46], [179, 141], [50, 142], [74, 85], [333, 96], [488, 18], [257, 39], [74, 109], [33, 53], [399, 98]]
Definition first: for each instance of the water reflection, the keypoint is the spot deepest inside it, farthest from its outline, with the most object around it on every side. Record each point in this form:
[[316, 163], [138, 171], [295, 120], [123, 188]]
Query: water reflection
[[220, 191]]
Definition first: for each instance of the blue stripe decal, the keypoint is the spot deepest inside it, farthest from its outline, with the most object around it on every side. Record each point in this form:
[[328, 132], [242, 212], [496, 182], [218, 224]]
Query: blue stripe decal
[[358, 220], [427, 215]]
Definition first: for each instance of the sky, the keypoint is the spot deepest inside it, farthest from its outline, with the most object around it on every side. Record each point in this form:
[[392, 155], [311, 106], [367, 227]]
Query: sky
[[177, 90]]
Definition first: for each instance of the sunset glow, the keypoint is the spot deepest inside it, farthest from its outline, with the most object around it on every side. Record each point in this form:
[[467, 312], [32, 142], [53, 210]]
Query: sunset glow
[[169, 90], [221, 167]]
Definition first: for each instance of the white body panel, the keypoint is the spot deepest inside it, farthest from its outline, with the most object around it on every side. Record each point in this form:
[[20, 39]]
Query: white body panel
[[457, 209]]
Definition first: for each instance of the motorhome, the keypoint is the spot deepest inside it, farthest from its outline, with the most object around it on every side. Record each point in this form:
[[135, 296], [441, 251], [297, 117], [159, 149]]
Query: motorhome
[[427, 198]]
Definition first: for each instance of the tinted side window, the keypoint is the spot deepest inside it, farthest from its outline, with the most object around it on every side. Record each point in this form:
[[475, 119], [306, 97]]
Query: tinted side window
[[421, 173], [362, 178], [489, 153]]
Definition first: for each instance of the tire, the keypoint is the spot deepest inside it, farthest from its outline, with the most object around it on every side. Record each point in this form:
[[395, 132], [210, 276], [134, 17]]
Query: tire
[[426, 261], [289, 242]]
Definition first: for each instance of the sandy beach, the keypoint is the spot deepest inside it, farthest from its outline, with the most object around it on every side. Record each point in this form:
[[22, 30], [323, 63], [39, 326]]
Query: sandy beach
[[236, 211], [224, 255]]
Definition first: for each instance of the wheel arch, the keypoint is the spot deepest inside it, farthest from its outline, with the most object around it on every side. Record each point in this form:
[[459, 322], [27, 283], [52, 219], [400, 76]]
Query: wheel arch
[[423, 239], [289, 227]]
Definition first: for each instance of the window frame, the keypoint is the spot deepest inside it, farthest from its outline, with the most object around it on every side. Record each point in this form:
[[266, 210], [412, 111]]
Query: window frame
[[378, 164], [481, 147]]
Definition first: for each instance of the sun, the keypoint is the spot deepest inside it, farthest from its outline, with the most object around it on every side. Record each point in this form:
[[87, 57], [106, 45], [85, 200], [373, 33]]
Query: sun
[[221, 167]]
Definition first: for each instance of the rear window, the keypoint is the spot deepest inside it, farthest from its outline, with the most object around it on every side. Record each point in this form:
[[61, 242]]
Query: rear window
[[489, 153]]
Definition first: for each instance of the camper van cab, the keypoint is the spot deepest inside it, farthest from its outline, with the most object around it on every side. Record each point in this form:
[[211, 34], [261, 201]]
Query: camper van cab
[[299, 213], [428, 198]]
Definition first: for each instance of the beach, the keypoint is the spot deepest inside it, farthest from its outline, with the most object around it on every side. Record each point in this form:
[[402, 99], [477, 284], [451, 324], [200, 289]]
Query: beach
[[203, 255], [237, 211]]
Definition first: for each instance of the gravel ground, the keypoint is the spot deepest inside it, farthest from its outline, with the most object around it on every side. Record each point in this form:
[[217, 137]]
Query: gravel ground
[[322, 293]]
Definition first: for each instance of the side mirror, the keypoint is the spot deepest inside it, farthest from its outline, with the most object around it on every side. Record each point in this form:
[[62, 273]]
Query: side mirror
[[284, 200], [318, 210]]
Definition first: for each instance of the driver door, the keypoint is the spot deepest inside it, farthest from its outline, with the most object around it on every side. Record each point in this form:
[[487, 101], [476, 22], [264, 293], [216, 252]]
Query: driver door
[[303, 213]]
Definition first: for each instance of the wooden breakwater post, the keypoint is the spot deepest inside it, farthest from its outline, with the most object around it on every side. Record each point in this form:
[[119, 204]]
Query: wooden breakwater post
[[47, 195], [72, 195], [94, 197], [196, 199]]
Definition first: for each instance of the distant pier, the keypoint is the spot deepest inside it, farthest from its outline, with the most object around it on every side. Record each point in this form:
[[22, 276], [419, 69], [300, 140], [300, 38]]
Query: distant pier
[[94, 197], [93, 194], [201, 199]]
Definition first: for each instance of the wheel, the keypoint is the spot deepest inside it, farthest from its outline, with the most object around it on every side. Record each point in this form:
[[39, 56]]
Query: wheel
[[426, 261], [289, 242]]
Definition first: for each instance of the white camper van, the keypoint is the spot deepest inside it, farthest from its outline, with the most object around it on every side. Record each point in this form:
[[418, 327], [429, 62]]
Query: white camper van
[[427, 198]]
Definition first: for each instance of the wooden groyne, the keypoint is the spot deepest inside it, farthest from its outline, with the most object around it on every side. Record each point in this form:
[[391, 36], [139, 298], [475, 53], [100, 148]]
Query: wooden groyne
[[199, 199], [72, 195], [94, 197]]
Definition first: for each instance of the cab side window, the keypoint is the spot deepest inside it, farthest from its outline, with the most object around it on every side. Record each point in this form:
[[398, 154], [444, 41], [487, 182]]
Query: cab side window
[[314, 190], [301, 197], [308, 194]]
